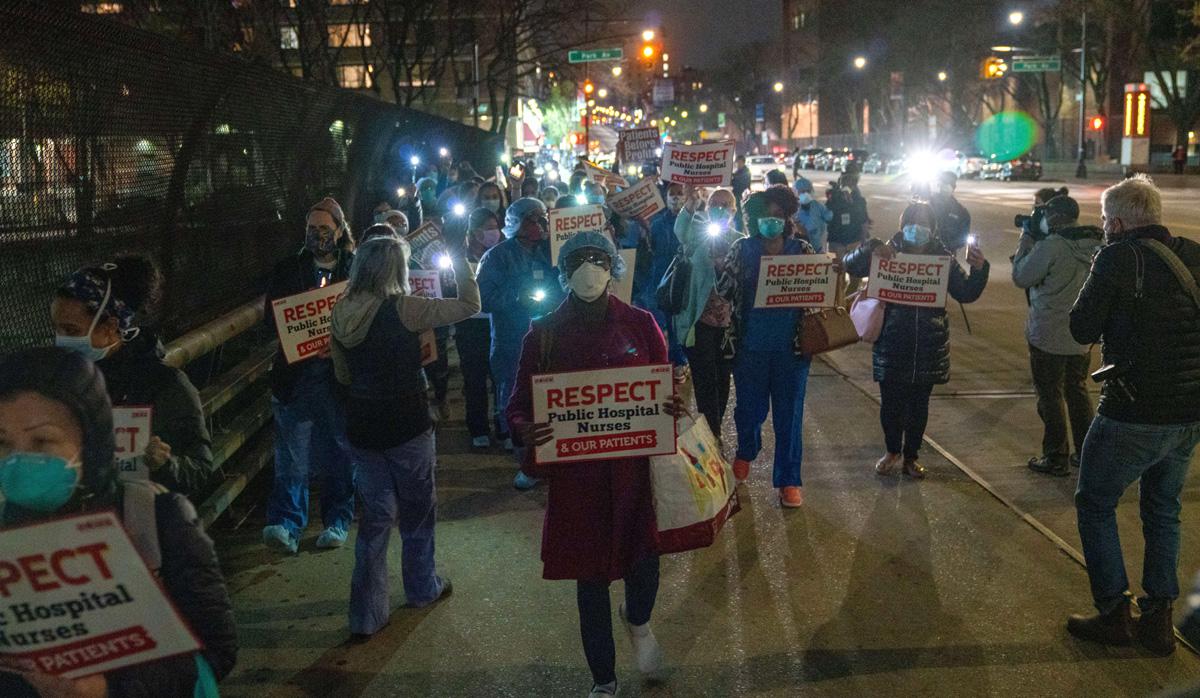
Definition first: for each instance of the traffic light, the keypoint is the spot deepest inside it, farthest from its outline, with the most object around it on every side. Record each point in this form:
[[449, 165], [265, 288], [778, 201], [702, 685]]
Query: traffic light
[[1097, 123], [994, 68], [588, 87], [648, 52]]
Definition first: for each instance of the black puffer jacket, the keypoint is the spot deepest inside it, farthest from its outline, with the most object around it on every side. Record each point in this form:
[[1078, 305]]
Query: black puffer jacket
[[136, 375], [914, 345], [1158, 336], [192, 579], [293, 275]]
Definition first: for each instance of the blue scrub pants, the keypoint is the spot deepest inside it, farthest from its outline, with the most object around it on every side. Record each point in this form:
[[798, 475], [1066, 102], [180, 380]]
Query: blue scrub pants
[[397, 489], [310, 437], [774, 380]]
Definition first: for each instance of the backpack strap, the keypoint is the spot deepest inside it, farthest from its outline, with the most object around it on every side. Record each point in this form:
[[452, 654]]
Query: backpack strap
[[1182, 274], [141, 521]]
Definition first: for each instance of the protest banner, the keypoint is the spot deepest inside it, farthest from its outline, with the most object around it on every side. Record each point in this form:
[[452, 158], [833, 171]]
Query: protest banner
[[302, 321], [642, 200], [566, 222], [623, 289], [76, 599], [425, 242], [705, 163], [796, 281], [131, 431], [599, 175], [639, 145], [910, 279], [603, 414], [426, 283]]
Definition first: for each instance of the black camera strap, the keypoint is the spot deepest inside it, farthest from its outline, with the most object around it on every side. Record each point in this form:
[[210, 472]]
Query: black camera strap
[[1181, 272]]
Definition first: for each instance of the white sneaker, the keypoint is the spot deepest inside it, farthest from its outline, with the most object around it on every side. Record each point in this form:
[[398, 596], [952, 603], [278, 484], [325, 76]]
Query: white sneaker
[[481, 442], [645, 647], [603, 690]]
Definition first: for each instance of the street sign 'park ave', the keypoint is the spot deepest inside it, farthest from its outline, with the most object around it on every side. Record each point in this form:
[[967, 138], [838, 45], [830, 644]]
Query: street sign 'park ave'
[[597, 54], [1036, 64]]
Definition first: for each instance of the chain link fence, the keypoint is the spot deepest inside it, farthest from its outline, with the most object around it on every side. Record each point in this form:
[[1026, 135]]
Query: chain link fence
[[113, 139]]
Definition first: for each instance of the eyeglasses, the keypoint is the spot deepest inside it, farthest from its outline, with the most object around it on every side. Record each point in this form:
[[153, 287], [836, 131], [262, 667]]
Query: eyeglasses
[[591, 256]]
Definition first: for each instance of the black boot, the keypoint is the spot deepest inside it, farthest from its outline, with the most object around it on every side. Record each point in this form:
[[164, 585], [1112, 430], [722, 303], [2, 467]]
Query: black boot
[[1049, 465], [1112, 628], [1156, 632]]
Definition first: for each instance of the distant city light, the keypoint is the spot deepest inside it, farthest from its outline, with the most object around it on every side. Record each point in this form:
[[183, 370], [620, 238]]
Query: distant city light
[[1016, 17], [648, 35], [860, 62], [778, 87]]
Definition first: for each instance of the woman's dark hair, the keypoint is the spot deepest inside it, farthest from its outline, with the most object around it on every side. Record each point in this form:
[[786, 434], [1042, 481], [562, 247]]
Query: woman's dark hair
[[916, 210], [499, 190], [136, 282], [67, 378], [1046, 193], [776, 177], [480, 216], [531, 184], [566, 202]]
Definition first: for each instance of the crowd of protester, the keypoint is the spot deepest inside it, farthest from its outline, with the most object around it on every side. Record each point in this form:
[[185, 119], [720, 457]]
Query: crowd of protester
[[361, 418]]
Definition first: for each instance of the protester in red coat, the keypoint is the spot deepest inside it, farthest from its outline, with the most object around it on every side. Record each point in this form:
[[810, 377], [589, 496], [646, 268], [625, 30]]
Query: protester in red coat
[[599, 523]]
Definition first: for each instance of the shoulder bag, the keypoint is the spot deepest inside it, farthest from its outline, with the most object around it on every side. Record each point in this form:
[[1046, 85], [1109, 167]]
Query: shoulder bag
[[829, 328]]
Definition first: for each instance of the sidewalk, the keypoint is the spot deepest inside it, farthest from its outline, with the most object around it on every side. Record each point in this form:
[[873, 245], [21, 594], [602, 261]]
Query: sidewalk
[[875, 587]]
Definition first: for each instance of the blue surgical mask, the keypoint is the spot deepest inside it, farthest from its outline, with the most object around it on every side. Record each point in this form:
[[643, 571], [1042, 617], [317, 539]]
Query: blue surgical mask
[[595, 198], [719, 214], [770, 228], [38, 482], [917, 234], [83, 345], [805, 198]]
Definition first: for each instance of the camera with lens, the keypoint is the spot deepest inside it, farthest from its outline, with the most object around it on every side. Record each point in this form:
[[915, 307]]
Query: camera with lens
[[1031, 224], [1116, 376]]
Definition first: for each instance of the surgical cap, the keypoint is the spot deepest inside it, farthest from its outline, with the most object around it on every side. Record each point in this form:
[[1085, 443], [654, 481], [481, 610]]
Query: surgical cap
[[802, 184], [426, 183], [599, 241], [518, 211]]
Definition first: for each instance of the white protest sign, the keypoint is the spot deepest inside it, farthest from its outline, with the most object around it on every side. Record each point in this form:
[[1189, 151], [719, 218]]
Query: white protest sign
[[302, 321], [706, 163], [599, 175], [424, 242], [796, 281], [426, 283], [604, 414], [131, 431], [76, 599], [910, 279], [642, 200], [639, 144], [566, 222], [623, 289]]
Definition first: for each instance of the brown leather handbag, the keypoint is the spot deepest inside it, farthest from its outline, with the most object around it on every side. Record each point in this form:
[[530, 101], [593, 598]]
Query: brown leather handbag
[[828, 328]]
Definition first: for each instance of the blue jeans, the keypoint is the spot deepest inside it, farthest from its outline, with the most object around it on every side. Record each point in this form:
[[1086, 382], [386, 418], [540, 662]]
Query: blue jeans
[[774, 380], [1115, 455], [397, 489], [595, 615], [310, 436]]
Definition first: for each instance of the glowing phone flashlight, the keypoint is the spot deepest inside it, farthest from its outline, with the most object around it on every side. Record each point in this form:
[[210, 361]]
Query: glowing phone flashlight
[[443, 261], [459, 209], [972, 240], [401, 192], [539, 295], [714, 229]]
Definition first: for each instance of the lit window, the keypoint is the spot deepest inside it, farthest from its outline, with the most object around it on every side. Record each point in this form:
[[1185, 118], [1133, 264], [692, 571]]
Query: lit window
[[288, 38], [353, 76], [349, 35], [102, 8], [666, 58]]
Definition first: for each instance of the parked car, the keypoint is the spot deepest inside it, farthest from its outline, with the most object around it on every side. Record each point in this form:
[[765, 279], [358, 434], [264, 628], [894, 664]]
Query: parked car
[[760, 165], [970, 165], [824, 160], [1022, 168], [807, 158], [851, 158], [876, 163]]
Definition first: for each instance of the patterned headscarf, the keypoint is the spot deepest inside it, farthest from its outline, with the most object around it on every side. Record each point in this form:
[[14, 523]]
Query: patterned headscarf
[[90, 286]]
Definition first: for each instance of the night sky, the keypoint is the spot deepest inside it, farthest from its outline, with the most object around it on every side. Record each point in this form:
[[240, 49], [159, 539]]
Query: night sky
[[697, 31]]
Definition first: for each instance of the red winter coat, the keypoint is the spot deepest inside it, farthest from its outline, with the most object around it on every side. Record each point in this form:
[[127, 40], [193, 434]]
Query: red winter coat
[[600, 515]]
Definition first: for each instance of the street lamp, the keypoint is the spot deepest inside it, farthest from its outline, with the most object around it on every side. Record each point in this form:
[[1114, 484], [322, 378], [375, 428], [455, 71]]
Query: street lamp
[[703, 108], [602, 92], [648, 35], [1016, 17], [942, 76], [778, 87], [616, 71], [860, 62], [683, 114]]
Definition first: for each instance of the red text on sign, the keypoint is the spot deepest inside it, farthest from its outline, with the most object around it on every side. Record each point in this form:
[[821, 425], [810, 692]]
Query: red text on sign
[[579, 396], [70, 566]]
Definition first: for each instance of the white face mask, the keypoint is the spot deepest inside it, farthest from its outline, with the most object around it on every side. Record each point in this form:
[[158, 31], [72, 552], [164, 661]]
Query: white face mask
[[589, 281], [805, 198], [1045, 226]]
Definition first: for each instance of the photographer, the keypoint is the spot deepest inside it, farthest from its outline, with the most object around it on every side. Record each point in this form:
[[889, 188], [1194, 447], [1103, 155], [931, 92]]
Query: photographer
[[953, 220], [1142, 303], [1052, 264]]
